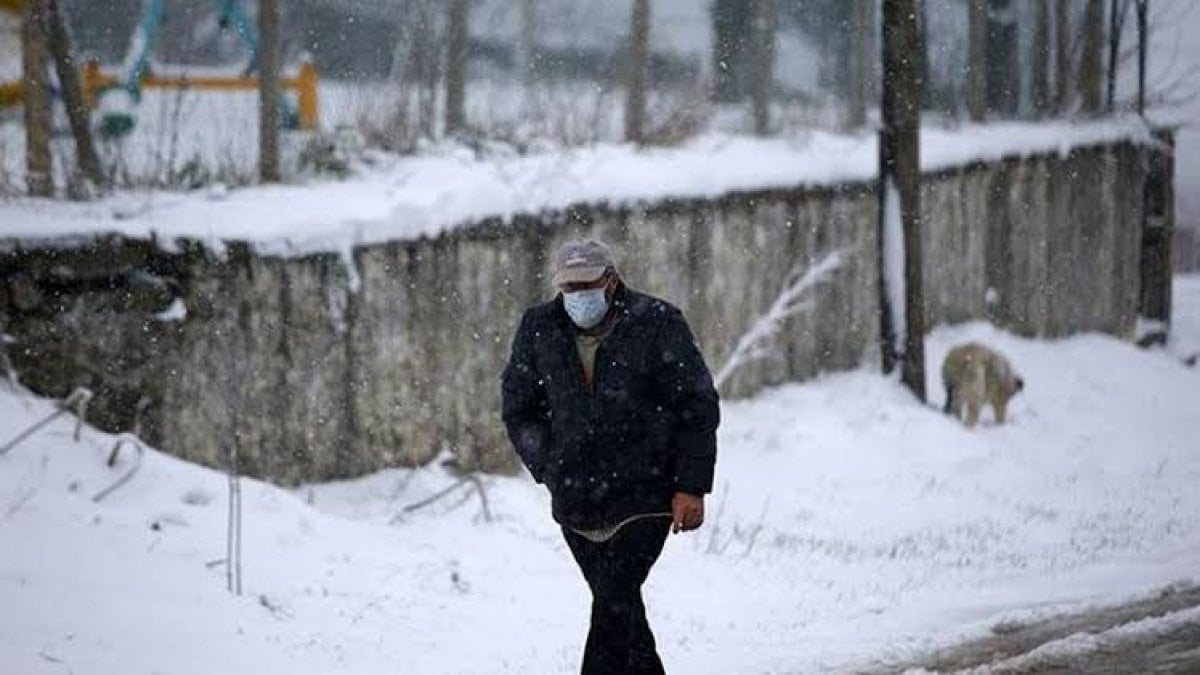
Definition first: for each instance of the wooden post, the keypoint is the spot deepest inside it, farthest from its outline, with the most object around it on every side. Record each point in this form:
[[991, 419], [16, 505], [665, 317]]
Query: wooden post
[[899, 178], [93, 79], [306, 96], [35, 56]]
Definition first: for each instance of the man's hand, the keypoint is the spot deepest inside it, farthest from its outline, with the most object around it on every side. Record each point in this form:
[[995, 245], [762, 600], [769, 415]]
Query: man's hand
[[687, 512]]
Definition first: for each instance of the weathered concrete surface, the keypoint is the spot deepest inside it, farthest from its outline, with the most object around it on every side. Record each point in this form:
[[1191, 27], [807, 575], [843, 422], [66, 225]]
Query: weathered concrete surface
[[320, 367]]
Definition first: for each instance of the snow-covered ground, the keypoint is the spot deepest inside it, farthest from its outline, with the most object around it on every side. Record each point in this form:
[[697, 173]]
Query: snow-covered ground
[[849, 524]]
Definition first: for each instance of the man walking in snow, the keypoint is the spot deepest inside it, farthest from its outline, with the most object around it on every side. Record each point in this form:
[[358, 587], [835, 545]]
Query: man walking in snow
[[609, 403]]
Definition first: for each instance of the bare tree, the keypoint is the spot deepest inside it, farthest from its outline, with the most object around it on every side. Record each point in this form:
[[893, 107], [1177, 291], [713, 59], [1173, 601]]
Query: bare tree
[[766, 18], [732, 29], [529, 42], [78, 117], [1064, 59], [637, 63], [456, 66], [977, 60], [426, 66], [899, 197], [759, 341], [1041, 59], [1091, 62], [39, 178], [1114, 52], [268, 91], [1143, 41], [1003, 58], [862, 52]]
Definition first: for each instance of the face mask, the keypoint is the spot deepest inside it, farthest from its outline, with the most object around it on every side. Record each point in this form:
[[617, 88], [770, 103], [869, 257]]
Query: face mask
[[586, 308]]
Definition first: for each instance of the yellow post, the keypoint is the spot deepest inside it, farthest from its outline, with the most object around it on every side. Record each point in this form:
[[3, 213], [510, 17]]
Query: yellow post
[[306, 93], [91, 82]]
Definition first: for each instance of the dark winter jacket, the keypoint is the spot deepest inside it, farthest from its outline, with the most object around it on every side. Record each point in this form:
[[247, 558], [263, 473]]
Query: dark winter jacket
[[646, 429]]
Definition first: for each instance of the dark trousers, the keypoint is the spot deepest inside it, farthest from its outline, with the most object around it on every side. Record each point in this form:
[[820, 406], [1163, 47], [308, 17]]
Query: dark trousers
[[619, 641]]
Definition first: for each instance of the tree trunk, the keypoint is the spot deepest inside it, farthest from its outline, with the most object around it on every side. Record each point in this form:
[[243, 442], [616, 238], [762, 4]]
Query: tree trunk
[[78, 116], [268, 91], [766, 18], [1064, 58], [1091, 63], [1003, 59], [732, 32], [1114, 53], [39, 178], [1143, 37], [456, 67], [529, 42], [426, 66], [1041, 59], [636, 65], [862, 49], [899, 173], [977, 60]]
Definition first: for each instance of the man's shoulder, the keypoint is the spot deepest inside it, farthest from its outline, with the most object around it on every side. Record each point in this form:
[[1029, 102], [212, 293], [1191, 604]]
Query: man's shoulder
[[649, 307], [541, 313]]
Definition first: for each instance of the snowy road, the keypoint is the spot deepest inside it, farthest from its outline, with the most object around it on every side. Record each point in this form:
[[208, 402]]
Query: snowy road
[[1156, 635]]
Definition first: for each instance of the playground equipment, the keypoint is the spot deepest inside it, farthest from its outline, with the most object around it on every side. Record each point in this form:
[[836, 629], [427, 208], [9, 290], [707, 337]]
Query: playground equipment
[[116, 96]]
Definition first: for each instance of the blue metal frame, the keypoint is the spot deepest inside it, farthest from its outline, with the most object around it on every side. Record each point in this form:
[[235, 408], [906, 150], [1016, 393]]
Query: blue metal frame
[[137, 62], [141, 46]]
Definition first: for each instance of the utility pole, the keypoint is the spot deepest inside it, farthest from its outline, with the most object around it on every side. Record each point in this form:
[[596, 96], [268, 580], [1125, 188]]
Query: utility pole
[[899, 181]]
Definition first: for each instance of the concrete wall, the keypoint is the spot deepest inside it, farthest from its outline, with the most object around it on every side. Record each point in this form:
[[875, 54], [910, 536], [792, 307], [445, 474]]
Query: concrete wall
[[313, 377]]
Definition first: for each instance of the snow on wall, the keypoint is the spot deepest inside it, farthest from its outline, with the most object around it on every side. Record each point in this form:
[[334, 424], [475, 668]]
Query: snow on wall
[[425, 196]]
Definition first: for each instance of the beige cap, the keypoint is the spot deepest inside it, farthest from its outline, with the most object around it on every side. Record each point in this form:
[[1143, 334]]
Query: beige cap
[[581, 262]]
